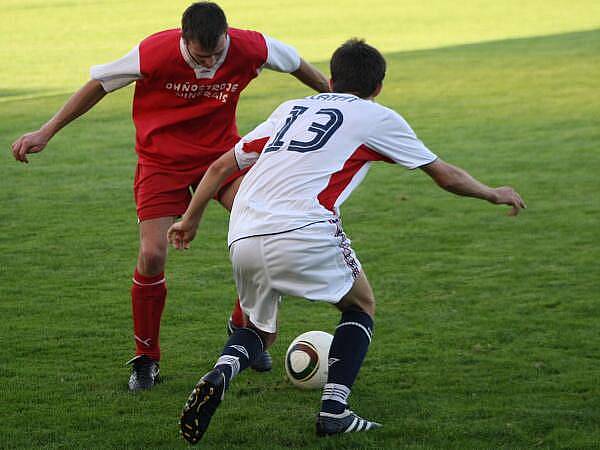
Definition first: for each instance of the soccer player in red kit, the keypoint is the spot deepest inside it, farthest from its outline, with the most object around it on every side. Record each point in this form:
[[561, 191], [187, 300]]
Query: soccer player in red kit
[[188, 83]]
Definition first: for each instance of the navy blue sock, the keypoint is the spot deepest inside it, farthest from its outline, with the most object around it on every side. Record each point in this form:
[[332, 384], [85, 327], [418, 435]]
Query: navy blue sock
[[348, 349], [242, 347]]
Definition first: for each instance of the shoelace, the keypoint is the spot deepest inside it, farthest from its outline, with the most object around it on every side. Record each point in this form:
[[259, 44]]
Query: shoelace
[[143, 370]]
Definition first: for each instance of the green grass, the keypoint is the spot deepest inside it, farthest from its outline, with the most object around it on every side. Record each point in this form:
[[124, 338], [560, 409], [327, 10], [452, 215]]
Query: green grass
[[486, 330]]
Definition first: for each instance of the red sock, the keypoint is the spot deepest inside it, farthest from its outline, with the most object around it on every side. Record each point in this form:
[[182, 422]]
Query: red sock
[[237, 315], [148, 295]]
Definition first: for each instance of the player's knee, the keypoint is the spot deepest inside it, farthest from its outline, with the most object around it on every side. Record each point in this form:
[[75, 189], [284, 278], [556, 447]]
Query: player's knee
[[152, 260], [363, 303], [268, 339], [367, 305]]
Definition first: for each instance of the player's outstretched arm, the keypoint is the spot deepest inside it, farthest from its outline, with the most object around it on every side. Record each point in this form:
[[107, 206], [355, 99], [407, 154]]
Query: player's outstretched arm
[[458, 181], [79, 103], [311, 76], [180, 234]]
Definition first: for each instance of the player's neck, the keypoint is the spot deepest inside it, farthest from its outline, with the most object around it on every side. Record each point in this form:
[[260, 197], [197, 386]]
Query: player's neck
[[358, 95]]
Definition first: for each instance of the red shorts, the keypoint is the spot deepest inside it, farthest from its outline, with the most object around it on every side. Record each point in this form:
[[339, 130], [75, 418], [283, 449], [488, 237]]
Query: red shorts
[[161, 192]]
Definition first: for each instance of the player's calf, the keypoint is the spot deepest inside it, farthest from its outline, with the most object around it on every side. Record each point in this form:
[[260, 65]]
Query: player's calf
[[263, 361], [346, 354]]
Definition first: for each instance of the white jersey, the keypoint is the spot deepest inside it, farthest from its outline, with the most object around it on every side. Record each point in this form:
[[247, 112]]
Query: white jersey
[[309, 155]]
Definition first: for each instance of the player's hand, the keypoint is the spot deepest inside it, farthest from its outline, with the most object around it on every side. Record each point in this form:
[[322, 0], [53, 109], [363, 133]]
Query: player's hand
[[506, 195], [33, 142], [180, 234]]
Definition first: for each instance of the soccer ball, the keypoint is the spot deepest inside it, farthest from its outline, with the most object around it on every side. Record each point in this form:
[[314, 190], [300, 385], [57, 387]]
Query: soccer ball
[[306, 359]]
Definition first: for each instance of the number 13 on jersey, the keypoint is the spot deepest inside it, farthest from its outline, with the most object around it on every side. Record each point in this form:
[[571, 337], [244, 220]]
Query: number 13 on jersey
[[322, 131]]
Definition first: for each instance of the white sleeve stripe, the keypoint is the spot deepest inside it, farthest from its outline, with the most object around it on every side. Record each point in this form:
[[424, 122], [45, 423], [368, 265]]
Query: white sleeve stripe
[[281, 57], [119, 73]]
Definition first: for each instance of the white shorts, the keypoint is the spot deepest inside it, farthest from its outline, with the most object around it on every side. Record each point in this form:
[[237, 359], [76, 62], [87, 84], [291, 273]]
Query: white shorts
[[315, 262]]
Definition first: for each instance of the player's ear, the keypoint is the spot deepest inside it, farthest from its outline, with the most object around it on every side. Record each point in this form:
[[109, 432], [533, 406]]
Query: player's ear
[[378, 90]]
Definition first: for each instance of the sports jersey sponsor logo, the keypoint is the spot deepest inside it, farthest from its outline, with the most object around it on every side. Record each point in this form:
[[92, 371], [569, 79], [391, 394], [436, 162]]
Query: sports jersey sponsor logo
[[219, 91]]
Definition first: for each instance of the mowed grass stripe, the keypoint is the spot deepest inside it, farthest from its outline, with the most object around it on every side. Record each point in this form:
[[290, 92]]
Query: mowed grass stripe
[[49, 45]]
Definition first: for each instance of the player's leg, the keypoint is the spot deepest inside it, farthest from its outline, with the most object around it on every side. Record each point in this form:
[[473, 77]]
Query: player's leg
[[317, 262], [241, 347], [348, 349], [237, 319], [244, 344], [148, 296], [160, 195]]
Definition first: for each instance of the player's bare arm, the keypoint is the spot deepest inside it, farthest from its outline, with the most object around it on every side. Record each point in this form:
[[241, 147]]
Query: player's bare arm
[[79, 103], [183, 232], [311, 76], [458, 181]]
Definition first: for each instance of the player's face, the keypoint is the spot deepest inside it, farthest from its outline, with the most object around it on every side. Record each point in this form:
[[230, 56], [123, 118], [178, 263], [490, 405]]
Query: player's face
[[205, 58]]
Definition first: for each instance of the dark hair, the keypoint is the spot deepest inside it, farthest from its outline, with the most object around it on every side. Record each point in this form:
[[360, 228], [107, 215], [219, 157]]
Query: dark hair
[[357, 67], [203, 23]]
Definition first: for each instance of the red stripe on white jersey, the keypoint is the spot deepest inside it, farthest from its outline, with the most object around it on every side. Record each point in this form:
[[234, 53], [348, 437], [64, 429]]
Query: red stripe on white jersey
[[340, 180], [255, 146]]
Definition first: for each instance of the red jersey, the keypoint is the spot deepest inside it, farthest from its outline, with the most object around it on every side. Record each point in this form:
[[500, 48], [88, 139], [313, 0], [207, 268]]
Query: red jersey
[[183, 121]]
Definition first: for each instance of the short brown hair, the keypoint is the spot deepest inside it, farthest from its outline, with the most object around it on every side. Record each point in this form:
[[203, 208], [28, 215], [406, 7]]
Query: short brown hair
[[357, 67], [204, 23]]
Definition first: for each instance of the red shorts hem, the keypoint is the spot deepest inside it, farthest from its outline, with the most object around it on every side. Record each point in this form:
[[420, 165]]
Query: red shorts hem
[[157, 213], [161, 192]]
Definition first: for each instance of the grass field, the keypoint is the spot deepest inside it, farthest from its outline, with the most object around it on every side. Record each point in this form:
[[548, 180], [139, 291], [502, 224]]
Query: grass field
[[487, 329]]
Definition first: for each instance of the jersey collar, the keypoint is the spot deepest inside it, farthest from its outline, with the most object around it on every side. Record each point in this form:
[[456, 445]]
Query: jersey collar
[[335, 96], [199, 70]]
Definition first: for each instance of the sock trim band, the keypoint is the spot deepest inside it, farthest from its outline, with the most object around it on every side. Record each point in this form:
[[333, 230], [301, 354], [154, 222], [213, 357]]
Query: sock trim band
[[139, 283], [336, 392], [360, 325], [241, 350], [230, 361]]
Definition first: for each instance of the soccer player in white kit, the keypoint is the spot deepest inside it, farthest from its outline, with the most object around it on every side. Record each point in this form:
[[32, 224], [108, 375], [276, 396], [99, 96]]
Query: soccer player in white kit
[[285, 234]]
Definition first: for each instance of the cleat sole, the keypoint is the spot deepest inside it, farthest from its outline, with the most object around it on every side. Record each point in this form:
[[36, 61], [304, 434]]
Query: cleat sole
[[200, 407]]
